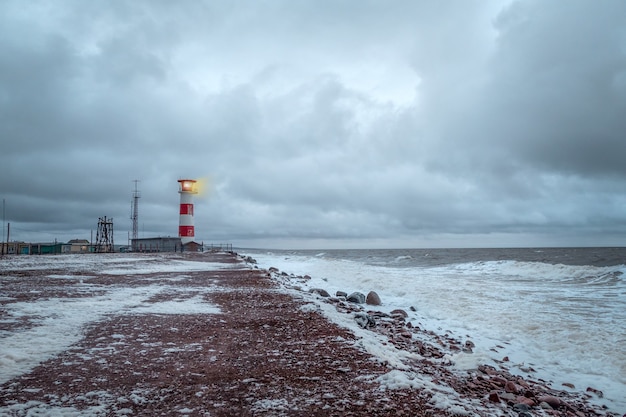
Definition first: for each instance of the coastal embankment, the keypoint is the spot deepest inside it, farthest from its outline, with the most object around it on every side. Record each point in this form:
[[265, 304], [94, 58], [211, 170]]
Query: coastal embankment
[[212, 335]]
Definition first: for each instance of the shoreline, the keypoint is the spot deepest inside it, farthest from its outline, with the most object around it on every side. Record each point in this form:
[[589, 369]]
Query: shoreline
[[237, 340], [429, 354]]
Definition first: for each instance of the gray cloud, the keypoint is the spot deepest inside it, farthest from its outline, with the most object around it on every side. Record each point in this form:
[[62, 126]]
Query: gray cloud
[[328, 124]]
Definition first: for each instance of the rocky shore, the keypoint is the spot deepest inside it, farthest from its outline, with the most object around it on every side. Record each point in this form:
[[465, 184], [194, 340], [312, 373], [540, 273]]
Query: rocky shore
[[267, 350], [486, 390]]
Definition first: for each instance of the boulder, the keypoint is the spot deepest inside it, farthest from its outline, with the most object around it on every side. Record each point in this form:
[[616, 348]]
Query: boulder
[[373, 299], [319, 291], [364, 320], [341, 294], [356, 297]]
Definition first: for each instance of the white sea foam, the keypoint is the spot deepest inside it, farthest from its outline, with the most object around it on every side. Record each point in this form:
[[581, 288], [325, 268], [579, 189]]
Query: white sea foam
[[567, 322]]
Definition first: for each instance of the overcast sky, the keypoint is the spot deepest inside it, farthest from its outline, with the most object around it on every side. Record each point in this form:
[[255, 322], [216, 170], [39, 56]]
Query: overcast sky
[[317, 124]]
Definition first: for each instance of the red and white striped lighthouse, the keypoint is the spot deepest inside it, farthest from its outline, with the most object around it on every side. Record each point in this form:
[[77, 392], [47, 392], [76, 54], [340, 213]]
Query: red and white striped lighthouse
[[185, 225]]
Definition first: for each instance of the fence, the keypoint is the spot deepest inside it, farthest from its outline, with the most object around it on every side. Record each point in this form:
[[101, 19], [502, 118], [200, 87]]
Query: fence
[[226, 247]]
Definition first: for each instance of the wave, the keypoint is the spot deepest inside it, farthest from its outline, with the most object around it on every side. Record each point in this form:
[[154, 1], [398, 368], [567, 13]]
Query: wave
[[576, 274]]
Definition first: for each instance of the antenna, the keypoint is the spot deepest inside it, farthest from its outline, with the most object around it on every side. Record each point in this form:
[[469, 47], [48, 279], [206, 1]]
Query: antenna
[[104, 236], [135, 216]]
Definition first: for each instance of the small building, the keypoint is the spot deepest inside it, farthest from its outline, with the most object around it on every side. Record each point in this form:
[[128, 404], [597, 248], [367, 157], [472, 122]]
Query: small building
[[193, 247], [157, 244], [11, 248], [46, 248], [78, 246]]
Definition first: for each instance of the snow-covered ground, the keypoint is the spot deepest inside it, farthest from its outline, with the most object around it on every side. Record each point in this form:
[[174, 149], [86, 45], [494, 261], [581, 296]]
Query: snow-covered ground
[[55, 323]]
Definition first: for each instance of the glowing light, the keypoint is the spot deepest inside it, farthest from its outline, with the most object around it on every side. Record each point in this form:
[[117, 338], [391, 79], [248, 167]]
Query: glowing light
[[200, 186], [203, 186], [187, 186]]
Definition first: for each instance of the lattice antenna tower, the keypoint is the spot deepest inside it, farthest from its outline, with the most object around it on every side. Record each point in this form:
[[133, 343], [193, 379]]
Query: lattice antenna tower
[[135, 215], [104, 236]]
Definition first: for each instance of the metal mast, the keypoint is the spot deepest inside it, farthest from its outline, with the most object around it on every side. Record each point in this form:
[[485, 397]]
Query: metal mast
[[135, 216], [104, 236]]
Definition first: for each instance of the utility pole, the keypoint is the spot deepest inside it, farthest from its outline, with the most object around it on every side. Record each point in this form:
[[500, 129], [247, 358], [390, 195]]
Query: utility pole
[[3, 227], [135, 217]]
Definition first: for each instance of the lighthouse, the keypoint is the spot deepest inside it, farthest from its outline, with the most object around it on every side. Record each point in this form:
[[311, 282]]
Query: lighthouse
[[185, 225]]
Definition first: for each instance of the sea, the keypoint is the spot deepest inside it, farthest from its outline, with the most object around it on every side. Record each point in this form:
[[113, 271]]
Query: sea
[[557, 314]]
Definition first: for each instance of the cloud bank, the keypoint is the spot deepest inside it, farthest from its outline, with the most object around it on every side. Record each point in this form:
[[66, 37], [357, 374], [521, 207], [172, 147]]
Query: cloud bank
[[318, 124]]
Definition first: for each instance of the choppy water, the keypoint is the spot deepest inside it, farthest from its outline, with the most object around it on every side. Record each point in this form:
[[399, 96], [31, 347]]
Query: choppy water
[[561, 312]]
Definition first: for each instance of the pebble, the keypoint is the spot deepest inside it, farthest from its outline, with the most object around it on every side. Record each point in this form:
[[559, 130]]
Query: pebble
[[551, 400], [399, 312], [494, 397], [521, 407], [599, 393], [511, 387]]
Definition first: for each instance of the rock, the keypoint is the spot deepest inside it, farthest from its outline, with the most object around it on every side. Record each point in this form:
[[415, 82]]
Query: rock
[[569, 385], [378, 314], [373, 299], [486, 369], [494, 397], [551, 400], [273, 269], [399, 312], [319, 291], [524, 414], [356, 297], [507, 396], [526, 401], [413, 308], [499, 380], [511, 387], [364, 320], [599, 393], [521, 407], [341, 294]]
